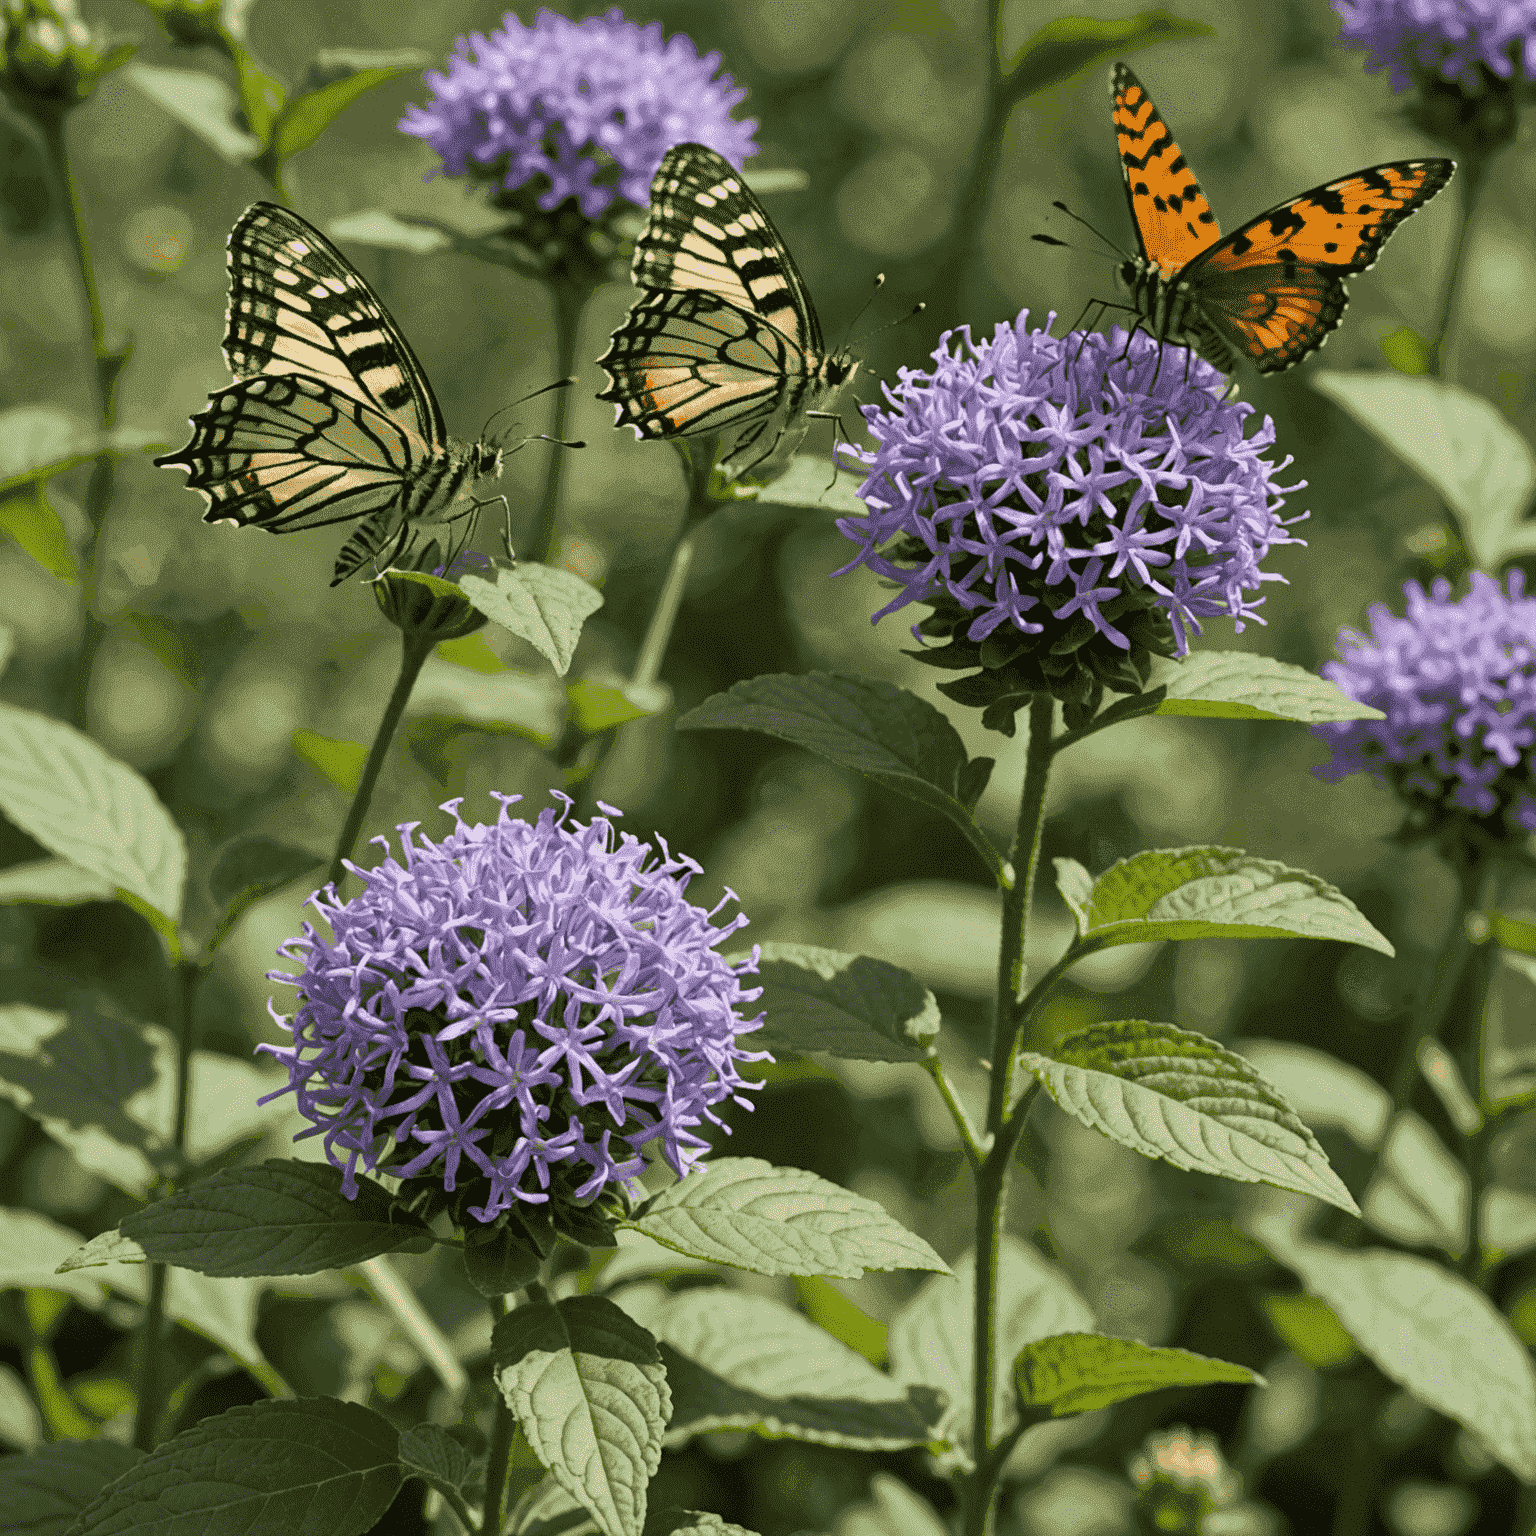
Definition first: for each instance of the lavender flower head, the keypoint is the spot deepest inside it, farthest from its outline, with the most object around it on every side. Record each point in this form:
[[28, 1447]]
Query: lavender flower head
[[516, 1010], [1449, 38], [1067, 506], [590, 106], [1457, 683]]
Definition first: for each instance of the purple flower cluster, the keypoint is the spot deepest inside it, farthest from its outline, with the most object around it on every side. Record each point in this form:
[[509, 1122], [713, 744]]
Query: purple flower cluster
[[523, 1004], [589, 105], [1448, 37], [1033, 480], [1457, 683]]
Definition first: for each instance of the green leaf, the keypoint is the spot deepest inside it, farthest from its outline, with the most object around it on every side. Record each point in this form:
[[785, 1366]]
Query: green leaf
[[1459, 443], [1311, 1328], [930, 1336], [61, 788], [1215, 893], [540, 604], [1071, 44], [823, 1000], [737, 1361], [1407, 351], [33, 522], [248, 869], [279, 1217], [589, 1391], [1237, 685], [430, 1452], [746, 1213], [261, 97], [203, 103], [53, 883], [498, 1261], [893, 1510], [1428, 1330], [327, 1468], [1074, 1373], [1173, 1094], [472, 652], [875, 728], [1517, 934], [394, 232], [341, 762], [43, 1492], [809, 482], [691, 1522], [337, 77], [162, 642], [828, 1308], [599, 707]]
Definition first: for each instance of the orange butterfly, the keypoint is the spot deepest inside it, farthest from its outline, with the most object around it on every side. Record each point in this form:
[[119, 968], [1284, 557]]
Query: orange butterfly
[[1274, 289]]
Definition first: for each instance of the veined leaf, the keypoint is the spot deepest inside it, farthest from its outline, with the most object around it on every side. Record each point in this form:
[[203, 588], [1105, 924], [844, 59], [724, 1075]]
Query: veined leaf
[[1239, 685], [1073, 1373], [540, 604]]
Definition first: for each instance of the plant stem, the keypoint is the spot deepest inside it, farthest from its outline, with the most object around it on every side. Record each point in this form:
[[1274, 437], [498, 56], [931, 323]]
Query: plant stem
[[1002, 1116], [414, 650], [106, 368], [570, 302], [402, 1303], [498, 1459], [1472, 169]]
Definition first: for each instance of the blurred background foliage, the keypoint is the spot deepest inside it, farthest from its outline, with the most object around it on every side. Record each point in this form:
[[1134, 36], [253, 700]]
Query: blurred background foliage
[[876, 102]]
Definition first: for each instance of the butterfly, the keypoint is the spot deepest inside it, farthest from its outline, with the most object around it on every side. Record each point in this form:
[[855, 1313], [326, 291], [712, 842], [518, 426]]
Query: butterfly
[[330, 417], [724, 337], [1272, 290]]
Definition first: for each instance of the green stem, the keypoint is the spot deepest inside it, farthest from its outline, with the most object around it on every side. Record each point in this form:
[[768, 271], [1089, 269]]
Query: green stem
[[414, 650], [498, 1459], [1474, 1147], [1472, 171], [570, 301], [402, 1303], [106, 368], [1003, 1117]]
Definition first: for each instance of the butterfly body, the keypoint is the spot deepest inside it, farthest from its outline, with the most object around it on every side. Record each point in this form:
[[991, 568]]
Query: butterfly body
[[724, 337], [330, 417], [1273, 290]]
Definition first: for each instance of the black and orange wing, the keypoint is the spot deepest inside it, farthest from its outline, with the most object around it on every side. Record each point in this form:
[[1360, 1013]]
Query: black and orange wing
[[1173, 220], [1274, 288]]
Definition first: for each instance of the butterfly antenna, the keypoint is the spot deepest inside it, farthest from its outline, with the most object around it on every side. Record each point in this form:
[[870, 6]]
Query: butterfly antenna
[[543, 389], [1096, 233], [916, 309]]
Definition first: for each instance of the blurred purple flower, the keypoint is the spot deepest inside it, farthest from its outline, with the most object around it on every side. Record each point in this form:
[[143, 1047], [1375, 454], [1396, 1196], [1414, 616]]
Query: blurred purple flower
[[1457, 683], [523, 1006], [1034, 480], [1448, 37], [590, 105]]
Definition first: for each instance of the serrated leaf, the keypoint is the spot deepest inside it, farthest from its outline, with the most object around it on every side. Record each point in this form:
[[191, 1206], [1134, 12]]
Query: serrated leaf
[[33, 522], [737, 1361], [823, 1000], [746, 1213], [326, 1468], [376, 226], [1457, 441], [1322, 1089], [810, 482], [930, 1337], [1074, 1373], [248, 869], [201, 102], [1071, 44], [499, 1261], [53, 883], [872, 727], [279, 1217], [590, 1394], [1216, 893], [1173, 1094], [1238, 685], [548, 1510], [431, 1453], [1428, 1330], [540, 604], [691, 1522], [79, 802], [341, 762], [43, 1492], [338, 77]]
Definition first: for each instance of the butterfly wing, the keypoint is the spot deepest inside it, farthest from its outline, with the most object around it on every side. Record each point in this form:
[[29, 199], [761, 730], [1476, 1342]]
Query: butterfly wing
[[1274, 289], [287, 452], [707, 230], [298, 306], [1173, 220]]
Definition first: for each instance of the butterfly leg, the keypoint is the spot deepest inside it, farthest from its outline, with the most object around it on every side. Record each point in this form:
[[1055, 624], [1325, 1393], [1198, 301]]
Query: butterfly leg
[[370, 537]]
